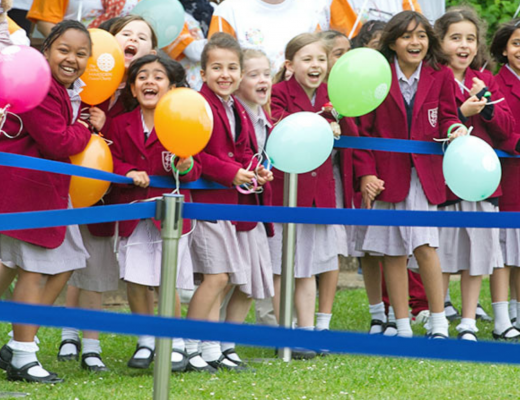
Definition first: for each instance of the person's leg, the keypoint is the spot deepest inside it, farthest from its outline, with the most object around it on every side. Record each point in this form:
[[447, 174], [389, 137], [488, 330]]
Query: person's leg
[[328, 285], [91, 358], [418, 300], [7, 276], [305, 301], [277, 282], [514, 283], [396, 278], [470, 291], [499, 286], [70, 344], [236, 312]]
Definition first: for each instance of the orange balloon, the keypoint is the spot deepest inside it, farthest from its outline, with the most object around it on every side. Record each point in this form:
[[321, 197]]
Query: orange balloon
[[183, 122], [105, 68], [85, 192]]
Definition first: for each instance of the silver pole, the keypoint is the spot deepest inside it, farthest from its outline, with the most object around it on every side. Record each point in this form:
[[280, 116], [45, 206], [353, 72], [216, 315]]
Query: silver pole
[[290, 197], [169, 211]]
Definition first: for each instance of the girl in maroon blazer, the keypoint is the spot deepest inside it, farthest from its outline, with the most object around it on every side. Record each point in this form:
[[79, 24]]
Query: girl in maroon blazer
[[316, 245], [137, 154], [468, 251], [420, 106], [505, 48], [51, 131], [225, 160], [136, 38]]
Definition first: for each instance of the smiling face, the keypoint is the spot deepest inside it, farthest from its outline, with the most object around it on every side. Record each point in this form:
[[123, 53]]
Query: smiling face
[[512, 51], [223, 72], [68, 56], [255, 87], [150, 85], [460, 44], [135, 40], [411, 47], [340, 46], [309, 67]]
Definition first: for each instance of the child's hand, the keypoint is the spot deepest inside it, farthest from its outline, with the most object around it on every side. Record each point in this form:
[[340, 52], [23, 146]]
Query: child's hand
[[264, 175], [183, 164], [140, 178], [478, 85], [97, 118], [472, 106], [461, 131], [371, 187], [336, 129], [243, 176]]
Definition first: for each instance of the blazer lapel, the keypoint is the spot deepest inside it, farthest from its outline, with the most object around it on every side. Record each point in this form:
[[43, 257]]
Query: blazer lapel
[[395, 92], [511, 80], [425, 83], [217, 104], [300, 98], [134, 130]]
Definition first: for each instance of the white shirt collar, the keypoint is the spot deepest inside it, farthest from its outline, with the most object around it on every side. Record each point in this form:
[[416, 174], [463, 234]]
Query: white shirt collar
[[512, 71], [401, 77]]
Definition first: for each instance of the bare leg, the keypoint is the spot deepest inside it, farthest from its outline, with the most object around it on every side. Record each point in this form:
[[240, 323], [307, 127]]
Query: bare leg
[[514, 282], [238, 307], [138, 298], [446, 283], [28, 289], [305, 300], [207, 295], [91, 301], [396, 278], [470, 291], [328, 285], [499, 284], [277, 281], [431, 275], [372, 278], [7, 276]]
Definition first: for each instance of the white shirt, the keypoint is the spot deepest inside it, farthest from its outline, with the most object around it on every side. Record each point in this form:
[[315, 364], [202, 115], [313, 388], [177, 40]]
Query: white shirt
[[22, 4], [408, 86], [87, 11], [228, 106], [75, 99], [260, 124], [433, 9], [377, 10]]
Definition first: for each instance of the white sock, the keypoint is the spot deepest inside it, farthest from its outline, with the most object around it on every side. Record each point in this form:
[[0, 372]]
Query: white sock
[[233, 356], [468, 324], [439, 323], [177, 344], [323, 321], [92, 346], [192, 346], [502, 321], [146, 341], [404, 328], [25, 353], [391, 314], [69, 334], [210, 351], [513, 308], [377, 311]]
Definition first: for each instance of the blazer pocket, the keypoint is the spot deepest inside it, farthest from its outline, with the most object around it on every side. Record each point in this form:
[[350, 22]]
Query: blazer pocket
[[429, 119]]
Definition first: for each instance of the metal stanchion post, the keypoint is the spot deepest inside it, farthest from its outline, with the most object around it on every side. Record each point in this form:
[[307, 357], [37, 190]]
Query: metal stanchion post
[[169, 211], [290, 197]]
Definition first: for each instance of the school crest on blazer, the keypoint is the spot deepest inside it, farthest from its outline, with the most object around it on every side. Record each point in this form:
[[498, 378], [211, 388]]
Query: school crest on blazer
[[433, 116], [167, 161]]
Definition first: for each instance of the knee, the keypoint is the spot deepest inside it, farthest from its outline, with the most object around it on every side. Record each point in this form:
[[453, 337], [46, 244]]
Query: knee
[[217, 281], [424, 253]]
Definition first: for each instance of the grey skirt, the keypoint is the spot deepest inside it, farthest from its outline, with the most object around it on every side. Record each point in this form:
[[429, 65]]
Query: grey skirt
[[257, 261], [510, 245], [342, 231]]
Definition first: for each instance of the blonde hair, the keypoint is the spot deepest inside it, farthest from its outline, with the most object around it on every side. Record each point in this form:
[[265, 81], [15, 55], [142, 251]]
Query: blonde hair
[[248, 54]]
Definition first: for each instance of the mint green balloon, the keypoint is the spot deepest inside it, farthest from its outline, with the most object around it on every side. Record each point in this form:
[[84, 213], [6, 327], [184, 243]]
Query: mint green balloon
[[359, 82], [165, 16], [471, 168], [300, 143]]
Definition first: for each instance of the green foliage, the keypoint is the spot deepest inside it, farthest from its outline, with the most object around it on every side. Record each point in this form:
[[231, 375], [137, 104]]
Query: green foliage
[[493, 12]]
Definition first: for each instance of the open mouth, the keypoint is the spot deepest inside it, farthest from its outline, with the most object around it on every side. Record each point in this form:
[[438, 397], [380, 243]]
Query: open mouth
[[262, 90], [314, 76], [414, 51], [149, 93], [69, 70], [130, 51], [463, 55], [224, 84]]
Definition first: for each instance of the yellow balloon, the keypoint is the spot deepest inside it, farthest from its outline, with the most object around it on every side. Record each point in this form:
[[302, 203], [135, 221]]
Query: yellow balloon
[[183, 122]]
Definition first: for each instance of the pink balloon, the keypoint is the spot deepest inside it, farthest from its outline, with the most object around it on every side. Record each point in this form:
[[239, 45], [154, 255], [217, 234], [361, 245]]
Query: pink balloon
[[25, 78]]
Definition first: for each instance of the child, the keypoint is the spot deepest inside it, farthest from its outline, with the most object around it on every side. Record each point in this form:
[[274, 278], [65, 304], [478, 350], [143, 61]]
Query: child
[[316, 245], [422, 99], [50, 131], [225, 160], [136, 38], [474, 252], [137, 154], [337, 43], [505, 49], [253, 93], [369, 35]]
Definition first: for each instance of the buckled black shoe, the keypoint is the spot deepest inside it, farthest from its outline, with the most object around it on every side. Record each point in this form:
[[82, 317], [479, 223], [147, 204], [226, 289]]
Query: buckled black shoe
[[192, 368], [220, 364], [92, 368], [303, 354], [180, 366], [22, 374], [69, 357], [6, 355], [140, 363]]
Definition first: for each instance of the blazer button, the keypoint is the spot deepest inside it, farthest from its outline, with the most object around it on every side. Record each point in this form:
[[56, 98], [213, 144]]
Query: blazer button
[[143, 157], [230, 154], [314, 174]]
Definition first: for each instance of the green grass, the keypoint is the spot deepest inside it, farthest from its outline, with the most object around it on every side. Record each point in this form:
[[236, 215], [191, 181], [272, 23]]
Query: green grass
[[332, 377]]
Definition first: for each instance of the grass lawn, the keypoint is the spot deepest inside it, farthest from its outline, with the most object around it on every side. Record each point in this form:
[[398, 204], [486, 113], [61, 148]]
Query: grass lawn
[[332, 377]]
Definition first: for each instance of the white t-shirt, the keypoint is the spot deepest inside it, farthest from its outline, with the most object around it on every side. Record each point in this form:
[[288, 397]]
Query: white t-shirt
[[22, 4], [91, 9], [433, 9], [377, 10], [270, 27]]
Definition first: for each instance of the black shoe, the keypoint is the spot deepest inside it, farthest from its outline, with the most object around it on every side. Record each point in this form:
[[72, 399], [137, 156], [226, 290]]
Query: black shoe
[[6, 355], [228, 352], [219, 364], [140, 363], [180, 366], [92, 368], [503, 336], [438, 335], [70, 357], [376, 322], [461, 335], [303, 354], [22, 374], [192, 368], [387, 325], [452, 317]]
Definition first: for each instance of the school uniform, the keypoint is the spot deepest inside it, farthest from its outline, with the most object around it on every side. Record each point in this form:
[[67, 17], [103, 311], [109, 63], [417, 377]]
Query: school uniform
[[50, 131], [140, 248], [509, 83], [473, 249], [252, 236], [215, 249], [420, 108], [316, 245]]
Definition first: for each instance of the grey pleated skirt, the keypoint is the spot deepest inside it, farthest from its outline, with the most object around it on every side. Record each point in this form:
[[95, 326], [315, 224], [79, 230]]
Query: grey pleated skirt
[[257, 262], [140, 258], [342, 231], [102, 271], [474, 249], [510, 245], [215, 250], [399, 240]]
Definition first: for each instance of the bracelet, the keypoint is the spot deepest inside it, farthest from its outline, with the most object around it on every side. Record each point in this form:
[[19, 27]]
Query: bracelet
[[176, 170], [458, 125]]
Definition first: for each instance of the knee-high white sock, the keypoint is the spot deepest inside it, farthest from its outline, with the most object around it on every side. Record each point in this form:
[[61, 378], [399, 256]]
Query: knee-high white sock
[[404, 328], [323, 321], [502, 321], [25, 353]]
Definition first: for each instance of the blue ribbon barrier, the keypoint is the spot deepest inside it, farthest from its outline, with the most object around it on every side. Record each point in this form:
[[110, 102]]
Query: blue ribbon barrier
[[263, 336]]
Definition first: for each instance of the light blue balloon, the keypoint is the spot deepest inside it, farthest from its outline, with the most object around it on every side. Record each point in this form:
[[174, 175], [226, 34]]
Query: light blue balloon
[[165, 16], [300, 143], [471, 168]]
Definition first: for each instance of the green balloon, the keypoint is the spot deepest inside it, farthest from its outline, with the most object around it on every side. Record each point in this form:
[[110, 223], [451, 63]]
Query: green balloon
[[359, 82]]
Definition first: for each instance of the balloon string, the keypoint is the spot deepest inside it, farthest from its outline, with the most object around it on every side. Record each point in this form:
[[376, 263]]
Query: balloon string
[[3, 118]]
